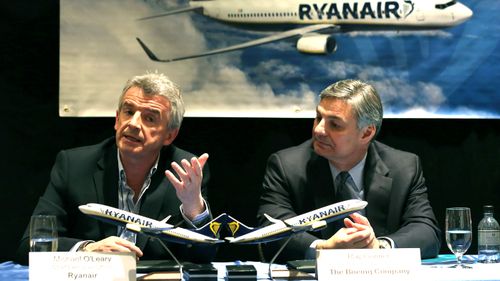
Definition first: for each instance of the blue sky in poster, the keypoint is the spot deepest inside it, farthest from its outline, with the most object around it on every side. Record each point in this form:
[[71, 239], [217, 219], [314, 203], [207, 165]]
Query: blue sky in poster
[[445, 73]]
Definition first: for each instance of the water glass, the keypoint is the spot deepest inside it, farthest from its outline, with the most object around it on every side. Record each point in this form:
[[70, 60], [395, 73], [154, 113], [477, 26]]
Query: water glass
[[43, 233], [458, 232]]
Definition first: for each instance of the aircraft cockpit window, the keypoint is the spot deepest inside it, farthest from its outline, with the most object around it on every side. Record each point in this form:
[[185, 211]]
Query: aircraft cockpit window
[[446, 5]]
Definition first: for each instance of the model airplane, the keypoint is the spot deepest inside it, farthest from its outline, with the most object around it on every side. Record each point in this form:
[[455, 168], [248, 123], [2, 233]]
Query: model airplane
[[312, 22], [310, 221], [205, 234]]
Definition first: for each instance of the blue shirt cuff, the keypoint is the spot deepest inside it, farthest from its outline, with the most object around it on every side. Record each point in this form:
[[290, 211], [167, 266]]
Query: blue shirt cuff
[[199, 219]]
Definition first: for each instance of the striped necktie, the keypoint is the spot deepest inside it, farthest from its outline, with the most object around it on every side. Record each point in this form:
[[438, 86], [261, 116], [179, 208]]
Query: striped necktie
[[345, 187]]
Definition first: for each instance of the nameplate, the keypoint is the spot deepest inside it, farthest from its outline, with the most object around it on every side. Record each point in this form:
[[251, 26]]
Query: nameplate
[[364, 264], [78, 266]]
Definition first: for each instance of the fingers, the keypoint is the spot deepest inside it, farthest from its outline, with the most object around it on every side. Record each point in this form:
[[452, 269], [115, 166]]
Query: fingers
[[203, 159], [362, 239], [130, 246], [197, 165], [358, 218], [188, 183], [113, 244], [191, 171], [356, 234], [348, 223], [365, 236], [358, 221], [173, 179]]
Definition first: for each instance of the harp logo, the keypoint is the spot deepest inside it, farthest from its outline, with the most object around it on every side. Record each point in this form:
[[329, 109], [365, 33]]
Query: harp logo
[[214, 227], [234, 226]]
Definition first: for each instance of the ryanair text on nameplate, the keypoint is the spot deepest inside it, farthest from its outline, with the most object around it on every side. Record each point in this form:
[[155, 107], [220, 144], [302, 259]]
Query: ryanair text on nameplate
[[78, 266], [365, 264]]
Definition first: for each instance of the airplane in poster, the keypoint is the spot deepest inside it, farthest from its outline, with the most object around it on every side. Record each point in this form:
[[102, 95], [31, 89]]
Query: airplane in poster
[[311, 221], [161, 229], [313, 22]]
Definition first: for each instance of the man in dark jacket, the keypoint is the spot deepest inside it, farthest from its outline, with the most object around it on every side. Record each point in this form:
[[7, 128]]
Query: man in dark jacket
[[130, 172], [307, 177]]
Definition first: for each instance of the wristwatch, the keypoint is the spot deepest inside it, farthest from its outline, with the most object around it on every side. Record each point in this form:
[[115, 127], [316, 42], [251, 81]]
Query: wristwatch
[[383, 244], [84, 244]]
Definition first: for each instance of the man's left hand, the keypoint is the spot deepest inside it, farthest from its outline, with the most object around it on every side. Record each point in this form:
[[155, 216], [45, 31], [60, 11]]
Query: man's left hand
[[188, 185], [357, 234], [361, 223]]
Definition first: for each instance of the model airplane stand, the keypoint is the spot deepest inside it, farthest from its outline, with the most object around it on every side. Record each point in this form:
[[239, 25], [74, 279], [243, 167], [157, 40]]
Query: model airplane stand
[[271, 262], [135, 228]]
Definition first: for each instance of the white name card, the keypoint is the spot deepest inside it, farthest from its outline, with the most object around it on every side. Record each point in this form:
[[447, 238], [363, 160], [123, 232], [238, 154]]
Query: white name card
[[365, 264], [78, 266]]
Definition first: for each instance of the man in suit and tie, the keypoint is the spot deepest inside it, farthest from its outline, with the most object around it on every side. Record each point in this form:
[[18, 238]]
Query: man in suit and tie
[[343, 161], [133, 171]]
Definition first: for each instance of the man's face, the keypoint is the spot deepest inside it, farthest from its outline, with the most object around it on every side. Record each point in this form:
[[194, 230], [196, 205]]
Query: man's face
[[141, 125], [336, 135]]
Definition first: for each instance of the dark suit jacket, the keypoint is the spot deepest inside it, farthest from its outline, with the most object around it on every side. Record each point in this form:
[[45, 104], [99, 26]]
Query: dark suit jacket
[[297, 180], [90, 175]]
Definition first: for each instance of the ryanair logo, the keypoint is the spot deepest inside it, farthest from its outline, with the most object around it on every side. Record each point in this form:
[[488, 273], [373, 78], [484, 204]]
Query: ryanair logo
[[128, 218], [355, 10], [215, 227], [233, 226], [323, 214]]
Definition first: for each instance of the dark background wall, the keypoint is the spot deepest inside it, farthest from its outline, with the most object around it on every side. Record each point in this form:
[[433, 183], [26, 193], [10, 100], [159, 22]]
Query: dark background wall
[[461, 158]]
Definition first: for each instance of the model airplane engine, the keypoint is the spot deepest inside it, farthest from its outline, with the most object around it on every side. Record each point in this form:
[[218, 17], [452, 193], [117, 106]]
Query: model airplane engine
[[317, 44]]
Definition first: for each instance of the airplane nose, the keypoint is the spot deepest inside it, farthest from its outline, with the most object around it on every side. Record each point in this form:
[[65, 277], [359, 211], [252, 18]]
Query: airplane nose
[[467, 13], [463, 13]]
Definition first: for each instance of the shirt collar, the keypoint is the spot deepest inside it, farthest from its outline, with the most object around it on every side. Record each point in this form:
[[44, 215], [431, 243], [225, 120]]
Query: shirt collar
[[121, 171]]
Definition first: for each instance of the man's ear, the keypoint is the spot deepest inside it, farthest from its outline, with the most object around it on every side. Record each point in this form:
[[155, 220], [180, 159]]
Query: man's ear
[[171, 134], [368, 133], [116, 120]]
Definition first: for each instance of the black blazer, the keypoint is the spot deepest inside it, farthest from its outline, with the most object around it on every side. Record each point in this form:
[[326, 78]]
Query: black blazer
[[90, 175], [297, 180]]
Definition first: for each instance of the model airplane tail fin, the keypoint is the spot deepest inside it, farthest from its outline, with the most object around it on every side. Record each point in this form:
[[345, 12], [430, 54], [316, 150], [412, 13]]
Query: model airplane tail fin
[[212, 228], [236, 227], [271, 219]]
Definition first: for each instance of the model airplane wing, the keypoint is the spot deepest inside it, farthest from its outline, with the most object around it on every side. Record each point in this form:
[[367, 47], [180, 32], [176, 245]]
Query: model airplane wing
[[173, 12], [264, 40]]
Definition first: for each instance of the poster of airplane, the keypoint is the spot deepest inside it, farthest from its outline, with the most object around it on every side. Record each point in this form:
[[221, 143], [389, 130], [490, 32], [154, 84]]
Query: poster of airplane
[[426, 58]]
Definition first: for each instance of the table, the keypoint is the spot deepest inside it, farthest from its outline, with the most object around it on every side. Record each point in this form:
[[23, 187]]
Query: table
[[436, 269], [11, 271]]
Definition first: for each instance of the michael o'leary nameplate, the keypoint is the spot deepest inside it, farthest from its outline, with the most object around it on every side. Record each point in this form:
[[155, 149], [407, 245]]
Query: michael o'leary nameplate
[[64, 266]]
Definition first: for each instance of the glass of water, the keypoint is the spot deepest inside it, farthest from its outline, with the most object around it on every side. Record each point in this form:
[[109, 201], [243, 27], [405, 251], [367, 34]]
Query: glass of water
[[458, 232], [43, 233]]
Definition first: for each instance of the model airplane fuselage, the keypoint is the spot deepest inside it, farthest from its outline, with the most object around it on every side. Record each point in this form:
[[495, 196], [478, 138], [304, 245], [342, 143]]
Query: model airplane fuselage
[[314, 21], [206, 234], [310, 221]]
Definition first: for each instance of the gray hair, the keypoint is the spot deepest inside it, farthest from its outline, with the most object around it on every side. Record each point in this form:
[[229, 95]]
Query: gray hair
[[363, 98], [159, 84]]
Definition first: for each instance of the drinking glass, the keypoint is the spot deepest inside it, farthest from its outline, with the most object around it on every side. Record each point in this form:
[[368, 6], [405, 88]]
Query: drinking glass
[[458, 232], [43, 233]]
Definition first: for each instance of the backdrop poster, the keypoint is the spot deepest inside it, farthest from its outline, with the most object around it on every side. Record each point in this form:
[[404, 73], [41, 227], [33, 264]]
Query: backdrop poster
[[444, 73]]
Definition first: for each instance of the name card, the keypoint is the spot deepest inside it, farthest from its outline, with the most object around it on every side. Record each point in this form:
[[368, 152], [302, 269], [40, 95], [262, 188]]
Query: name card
[[365, 264], [63, 266]]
